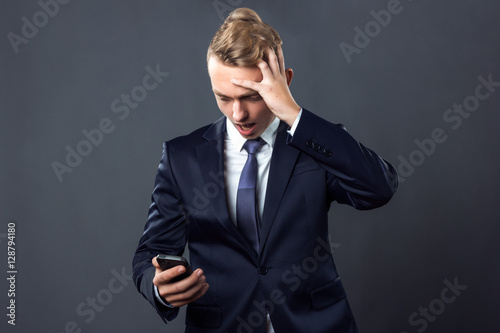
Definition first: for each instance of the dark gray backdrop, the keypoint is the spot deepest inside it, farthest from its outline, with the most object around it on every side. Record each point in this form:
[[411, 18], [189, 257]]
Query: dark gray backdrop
[[65, 68]]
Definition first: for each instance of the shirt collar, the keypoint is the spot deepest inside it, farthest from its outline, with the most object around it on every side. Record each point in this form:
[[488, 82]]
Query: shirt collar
[[269, 135]]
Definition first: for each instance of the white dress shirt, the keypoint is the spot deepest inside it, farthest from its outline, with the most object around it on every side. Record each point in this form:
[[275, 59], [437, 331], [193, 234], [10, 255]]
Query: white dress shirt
[[236, 157]]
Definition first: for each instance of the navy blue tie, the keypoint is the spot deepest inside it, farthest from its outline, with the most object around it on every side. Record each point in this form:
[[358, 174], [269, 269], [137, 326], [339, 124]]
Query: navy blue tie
[[246, 200]]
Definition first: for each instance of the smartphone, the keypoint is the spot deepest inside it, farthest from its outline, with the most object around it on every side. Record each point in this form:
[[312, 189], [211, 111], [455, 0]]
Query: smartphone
[[167, 261]]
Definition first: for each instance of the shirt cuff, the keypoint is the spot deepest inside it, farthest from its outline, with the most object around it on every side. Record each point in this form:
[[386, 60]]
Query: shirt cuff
[[295, 124], [161, 299]]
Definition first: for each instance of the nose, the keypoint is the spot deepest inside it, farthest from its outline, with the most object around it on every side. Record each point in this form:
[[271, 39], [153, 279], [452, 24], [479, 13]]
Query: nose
[[239, 112]]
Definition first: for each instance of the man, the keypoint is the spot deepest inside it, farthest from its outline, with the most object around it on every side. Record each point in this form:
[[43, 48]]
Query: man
[[259, 250]]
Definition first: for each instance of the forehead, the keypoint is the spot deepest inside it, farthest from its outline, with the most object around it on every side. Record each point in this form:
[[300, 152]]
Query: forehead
[[221, 75]]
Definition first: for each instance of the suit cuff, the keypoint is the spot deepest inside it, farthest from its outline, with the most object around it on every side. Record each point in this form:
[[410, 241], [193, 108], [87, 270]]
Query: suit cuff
[[160, 299], [295, 124]]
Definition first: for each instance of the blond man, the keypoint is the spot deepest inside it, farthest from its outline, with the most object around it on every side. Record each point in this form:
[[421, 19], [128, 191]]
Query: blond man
[[260, 251]]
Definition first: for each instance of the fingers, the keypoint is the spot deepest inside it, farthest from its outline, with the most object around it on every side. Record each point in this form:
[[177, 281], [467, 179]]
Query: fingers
[[162, 277], [281, 60], [185, 291], [276, 60], [267, 71], [246, 84], [273, 63], [271, 70], [189, 289]]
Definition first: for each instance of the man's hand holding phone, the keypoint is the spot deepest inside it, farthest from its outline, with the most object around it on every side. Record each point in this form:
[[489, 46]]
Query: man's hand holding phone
[[179, 292]]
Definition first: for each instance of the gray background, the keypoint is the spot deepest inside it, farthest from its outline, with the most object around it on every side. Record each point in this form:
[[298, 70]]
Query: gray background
[[74, 235]]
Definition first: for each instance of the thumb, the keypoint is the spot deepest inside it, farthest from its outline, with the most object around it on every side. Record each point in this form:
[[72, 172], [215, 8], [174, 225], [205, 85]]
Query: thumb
[[156, 265]]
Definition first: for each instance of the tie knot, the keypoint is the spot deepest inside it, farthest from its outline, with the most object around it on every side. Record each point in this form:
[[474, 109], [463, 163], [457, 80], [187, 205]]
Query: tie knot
[[253, 146]]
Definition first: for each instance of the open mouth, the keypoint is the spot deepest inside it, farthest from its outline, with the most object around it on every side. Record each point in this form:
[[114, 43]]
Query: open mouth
[[245, 129]]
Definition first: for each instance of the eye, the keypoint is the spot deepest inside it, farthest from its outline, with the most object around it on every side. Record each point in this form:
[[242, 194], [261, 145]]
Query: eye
[[254, 98], [224, 99]]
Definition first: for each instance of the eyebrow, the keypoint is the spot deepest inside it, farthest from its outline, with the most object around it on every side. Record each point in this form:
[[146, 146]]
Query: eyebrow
[[250, 93]]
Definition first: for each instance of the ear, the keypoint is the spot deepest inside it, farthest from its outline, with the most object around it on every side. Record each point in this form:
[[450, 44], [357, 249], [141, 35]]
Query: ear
[[289, 75]]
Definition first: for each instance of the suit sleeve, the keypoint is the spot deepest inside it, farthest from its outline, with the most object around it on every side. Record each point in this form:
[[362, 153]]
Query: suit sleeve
[[164, 232], [357, 176]]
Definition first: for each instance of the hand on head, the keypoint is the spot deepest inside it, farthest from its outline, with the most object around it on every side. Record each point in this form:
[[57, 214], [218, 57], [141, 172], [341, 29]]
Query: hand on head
[[274, 87]]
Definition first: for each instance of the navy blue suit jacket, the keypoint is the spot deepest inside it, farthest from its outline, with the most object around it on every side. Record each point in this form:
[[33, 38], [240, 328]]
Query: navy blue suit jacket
[[293, 277]]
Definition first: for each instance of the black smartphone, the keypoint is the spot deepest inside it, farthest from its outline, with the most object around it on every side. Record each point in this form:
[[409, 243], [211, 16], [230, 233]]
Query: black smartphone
[[167, 261]]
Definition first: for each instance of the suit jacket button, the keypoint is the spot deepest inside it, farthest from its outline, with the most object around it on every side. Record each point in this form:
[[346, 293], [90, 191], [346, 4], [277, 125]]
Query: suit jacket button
[[263, 270], [328, 153], [309, 143]]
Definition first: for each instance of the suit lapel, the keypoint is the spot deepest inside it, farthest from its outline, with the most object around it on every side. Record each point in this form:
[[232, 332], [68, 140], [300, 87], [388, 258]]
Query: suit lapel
[[282, 164], [210, 157]]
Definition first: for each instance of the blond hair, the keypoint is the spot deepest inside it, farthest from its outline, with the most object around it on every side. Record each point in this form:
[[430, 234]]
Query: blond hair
[[243, 39]]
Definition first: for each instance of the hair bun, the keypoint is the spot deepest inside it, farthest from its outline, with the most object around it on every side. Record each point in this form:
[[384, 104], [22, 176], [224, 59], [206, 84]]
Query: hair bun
[[243, 14], [243, 39]]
